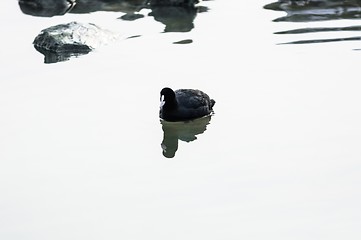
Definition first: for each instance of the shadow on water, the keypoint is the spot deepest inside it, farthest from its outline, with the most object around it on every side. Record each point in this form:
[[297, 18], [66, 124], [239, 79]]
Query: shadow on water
[[184, 131], [176, 15], [317, 10]]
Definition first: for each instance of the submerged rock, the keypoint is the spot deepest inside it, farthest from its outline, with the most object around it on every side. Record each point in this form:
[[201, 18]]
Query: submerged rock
[[71, 39], [46, 8], [50, 8], [173, 2]]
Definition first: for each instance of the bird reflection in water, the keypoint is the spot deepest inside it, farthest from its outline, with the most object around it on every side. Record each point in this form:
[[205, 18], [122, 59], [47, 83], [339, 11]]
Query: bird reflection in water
[[184, 131]]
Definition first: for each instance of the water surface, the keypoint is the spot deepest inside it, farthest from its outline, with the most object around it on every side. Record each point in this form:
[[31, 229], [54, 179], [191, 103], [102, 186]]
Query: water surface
[[81, 142]]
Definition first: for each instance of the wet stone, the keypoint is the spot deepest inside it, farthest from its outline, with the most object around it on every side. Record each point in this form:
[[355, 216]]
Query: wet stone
[[60, 42], [73, 37]]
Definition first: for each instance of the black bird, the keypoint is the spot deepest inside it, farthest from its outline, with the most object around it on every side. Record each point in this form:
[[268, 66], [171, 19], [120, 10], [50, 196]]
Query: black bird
[[184, 104]]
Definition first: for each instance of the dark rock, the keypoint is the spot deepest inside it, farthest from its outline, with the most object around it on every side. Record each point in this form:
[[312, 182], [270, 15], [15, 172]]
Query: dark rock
[[185, 41], [46, 8], [72, 39], [131, 16], [125, 6], [173, 2], [50, 8]]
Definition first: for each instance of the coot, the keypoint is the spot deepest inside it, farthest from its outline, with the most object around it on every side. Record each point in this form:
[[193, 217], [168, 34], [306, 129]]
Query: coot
[[184, 104]]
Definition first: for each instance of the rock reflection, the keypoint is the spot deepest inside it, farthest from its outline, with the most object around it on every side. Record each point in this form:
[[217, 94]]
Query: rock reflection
[[184, 131], [317, 10], [54, 57], [175, 19]]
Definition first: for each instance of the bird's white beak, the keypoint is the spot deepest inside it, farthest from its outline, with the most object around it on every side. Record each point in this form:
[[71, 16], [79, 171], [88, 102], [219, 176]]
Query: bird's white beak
[[162, 102]]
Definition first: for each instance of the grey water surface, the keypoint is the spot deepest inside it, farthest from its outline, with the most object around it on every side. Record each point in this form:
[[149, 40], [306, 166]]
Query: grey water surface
[[84, 155]]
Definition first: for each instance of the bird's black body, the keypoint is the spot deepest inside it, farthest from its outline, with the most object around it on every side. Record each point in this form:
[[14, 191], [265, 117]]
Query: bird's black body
[[184, 104]]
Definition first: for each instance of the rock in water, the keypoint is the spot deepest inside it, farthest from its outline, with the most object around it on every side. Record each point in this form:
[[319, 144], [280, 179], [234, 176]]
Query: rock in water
[[73, 38], [46, 8], [173, 2]]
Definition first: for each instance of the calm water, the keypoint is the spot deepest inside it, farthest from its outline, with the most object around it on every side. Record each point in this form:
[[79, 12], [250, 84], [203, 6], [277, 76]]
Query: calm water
[[82, 146]]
